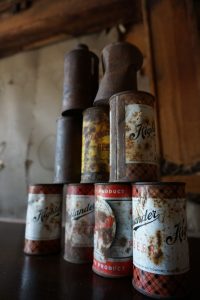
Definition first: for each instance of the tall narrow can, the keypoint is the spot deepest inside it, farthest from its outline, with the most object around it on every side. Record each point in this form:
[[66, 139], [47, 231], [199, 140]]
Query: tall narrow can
[[79, 226], [43, 220], [113, 232], [80, 79], [95, 145], [133, 155], [160, 246], [68, 149]]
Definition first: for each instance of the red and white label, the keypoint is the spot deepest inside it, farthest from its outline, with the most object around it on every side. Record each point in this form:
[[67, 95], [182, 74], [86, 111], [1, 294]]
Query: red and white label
[[113, 231], [112, 267]]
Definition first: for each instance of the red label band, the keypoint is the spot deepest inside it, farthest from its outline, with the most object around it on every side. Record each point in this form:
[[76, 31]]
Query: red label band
[[46, 189], [113, 191], [80, 189], [113, 268]]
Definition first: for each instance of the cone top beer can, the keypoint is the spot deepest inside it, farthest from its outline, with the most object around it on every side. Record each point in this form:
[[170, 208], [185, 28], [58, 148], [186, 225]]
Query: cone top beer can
[[113, 230], [81, 74], [79, 226], [43, 220], [160, 246]]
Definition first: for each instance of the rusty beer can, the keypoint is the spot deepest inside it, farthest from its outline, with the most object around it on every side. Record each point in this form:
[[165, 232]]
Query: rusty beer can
[[43, 220], [113, 230], [95, 145], [80, 79], [79, 226], [160, 245], [133, 154], [118, 76], [68, 149]]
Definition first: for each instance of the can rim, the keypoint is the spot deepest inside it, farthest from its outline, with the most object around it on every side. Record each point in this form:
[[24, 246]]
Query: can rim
[[78, 184], [45, 184], [159, 183], [132, 92], [113, 183], [102, 108]]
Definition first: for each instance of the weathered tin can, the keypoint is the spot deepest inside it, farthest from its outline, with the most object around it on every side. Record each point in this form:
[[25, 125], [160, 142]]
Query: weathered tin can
[[79, 226], [95, 145], [68, 149], [121, 61], [43, 220], [133, 155], [80, 79], [113, 230], [160, 246]]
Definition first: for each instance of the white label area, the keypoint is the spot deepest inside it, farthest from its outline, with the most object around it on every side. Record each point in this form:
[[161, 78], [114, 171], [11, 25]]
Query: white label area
[[160, 235], [79, 227], [43, 220], [113, 234], [140, 134]]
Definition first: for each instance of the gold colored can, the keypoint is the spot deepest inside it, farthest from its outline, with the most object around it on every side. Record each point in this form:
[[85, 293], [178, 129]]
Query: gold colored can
[[95, 145]]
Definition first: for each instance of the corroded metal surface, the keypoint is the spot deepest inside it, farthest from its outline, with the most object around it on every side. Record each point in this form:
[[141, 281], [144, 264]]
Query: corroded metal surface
[[68, 149], [133, 153], [160, 246], [120, 61], [95, 145], [43, 220], [80, 79], [113, 233], [79, 226]]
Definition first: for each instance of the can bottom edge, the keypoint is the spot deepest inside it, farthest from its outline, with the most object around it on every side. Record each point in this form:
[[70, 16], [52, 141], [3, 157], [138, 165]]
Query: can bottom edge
[[75, 261], [42, 253], [154, 296], [108, 276]]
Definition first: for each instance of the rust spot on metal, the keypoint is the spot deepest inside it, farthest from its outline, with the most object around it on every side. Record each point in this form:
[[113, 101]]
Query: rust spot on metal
[[122, 242], [155, 252]]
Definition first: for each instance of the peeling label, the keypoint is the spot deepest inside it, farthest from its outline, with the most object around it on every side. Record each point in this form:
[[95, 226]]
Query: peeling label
[[43, 220], [140, 134], [79, 227], [95, 146], [160, 235], [113, 237]]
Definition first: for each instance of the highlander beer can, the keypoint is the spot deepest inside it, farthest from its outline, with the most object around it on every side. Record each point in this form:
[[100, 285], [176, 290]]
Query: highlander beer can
[[160, 246], [43, 220], [79, 226], [95, 145], [113, 230], [133, 155]]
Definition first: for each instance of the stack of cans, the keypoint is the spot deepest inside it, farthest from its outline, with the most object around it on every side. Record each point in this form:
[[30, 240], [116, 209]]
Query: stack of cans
[[44, 212], [119, 216]]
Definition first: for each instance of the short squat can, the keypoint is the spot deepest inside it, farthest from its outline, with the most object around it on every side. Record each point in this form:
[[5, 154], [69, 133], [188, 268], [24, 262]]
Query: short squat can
[[113, 232], [133, 154], [95, 145], [79, 226], [43, 220], [160, 246]]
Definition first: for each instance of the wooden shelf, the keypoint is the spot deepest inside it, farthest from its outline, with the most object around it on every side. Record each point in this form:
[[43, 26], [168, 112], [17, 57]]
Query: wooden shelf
[[48, 20]]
